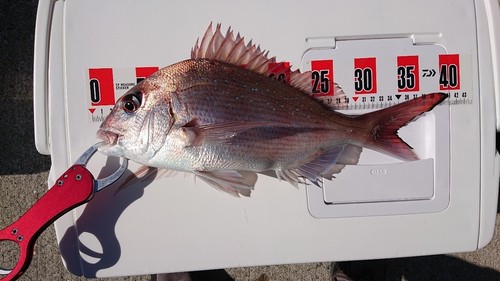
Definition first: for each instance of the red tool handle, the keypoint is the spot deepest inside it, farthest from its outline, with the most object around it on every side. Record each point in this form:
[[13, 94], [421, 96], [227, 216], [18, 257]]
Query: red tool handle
[[73, 188]]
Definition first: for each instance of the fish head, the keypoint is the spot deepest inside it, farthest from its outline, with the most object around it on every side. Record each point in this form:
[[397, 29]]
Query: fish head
[[137, 126]]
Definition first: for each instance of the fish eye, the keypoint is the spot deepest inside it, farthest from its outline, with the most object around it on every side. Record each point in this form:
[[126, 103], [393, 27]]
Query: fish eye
[[131, 102]]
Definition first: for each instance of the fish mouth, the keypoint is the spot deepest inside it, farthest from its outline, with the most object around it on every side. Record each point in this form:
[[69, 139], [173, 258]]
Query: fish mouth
[[111, 147], [110, 138]]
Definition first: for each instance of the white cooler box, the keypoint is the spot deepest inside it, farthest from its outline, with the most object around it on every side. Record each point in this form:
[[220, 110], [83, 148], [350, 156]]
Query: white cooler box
[[88, 53]]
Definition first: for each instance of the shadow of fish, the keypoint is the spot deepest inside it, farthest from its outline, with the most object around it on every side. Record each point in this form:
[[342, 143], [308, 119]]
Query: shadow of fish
[[220, 116]]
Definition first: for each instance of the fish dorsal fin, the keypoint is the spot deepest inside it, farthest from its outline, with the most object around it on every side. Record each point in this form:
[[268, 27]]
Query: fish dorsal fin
[[233, 50]]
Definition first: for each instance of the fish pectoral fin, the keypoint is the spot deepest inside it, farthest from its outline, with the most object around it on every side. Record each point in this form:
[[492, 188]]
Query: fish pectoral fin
[[219, 133], [329, 161], [235, 183]]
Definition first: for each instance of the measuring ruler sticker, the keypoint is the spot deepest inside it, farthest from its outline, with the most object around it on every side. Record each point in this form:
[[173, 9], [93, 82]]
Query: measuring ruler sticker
[[105, 85], [365, 75], [408, 74], [377, 73]]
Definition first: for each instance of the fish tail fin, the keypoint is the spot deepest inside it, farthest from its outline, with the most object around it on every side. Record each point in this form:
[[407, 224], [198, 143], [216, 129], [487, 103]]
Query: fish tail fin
[[385, 123]]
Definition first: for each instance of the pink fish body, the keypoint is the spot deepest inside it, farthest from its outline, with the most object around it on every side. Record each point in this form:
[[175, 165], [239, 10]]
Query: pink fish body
[[223, 122]]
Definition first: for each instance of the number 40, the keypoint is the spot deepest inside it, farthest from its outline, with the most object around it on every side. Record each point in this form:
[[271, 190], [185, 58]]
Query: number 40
[[448, 76]]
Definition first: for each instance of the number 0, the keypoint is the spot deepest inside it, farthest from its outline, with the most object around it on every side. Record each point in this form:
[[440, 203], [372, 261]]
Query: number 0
[[95, 94]]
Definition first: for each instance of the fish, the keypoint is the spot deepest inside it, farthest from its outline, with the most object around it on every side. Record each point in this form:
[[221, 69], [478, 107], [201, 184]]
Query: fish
[[223, 116]]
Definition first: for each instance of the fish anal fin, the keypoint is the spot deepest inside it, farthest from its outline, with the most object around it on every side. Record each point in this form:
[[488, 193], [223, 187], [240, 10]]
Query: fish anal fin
[[350, 156], [291, 176], [235, 183], [329, 161], [320, 163]]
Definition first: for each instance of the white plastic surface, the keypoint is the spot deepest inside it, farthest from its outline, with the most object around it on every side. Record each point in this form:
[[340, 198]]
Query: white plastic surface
[[179, 224], [382, 183]]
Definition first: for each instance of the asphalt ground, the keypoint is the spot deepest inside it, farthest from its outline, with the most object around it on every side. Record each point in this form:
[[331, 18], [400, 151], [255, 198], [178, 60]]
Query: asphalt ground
[[23, 175]]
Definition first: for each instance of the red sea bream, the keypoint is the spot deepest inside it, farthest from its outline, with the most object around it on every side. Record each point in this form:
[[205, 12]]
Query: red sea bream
[[220, 116]]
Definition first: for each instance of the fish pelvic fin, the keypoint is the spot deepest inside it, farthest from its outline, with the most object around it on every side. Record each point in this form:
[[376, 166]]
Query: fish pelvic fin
[[235, 183], [385, 123], [144, 175], [232, 49]]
